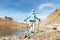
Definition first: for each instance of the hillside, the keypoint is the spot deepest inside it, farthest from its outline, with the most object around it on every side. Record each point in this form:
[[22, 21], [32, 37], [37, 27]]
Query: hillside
[[8, 27], [53, 17]]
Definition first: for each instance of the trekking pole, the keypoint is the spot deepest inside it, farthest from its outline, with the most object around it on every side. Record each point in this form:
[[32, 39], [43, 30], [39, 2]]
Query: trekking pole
[[38, 26], [27, 29]]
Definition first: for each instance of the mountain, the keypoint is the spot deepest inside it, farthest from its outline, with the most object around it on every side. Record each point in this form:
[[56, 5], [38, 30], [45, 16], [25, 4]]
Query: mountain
[[8, 26], [53, 17]]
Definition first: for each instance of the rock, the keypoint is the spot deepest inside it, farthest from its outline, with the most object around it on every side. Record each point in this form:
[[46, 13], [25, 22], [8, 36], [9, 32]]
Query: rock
[[58, 29]]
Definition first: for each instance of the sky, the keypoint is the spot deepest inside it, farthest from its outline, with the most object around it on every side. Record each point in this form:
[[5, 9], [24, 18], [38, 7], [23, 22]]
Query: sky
[[20, 9]]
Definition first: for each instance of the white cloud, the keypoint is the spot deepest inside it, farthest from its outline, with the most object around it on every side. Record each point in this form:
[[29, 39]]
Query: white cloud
[[43, 13], [16, 15], [46, 5], [42, 16]]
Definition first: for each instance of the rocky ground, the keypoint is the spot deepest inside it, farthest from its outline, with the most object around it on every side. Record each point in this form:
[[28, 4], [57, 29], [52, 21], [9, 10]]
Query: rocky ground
[[49, 34]]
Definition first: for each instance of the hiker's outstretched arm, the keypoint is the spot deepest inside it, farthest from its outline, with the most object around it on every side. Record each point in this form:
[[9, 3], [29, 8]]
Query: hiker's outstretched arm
[[27, 18], [37, 18]]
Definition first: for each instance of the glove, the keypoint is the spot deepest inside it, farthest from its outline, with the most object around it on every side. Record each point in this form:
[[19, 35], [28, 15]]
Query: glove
[[25, 20], [39, 19]]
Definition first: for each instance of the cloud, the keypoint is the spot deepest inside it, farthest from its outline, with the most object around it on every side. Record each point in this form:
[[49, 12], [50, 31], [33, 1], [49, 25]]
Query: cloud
[[46, 5], [44, 13], [16, 15], [42, 16]]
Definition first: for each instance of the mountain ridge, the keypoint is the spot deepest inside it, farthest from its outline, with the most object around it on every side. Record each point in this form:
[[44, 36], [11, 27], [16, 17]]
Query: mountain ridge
[[8, 27], [54, 16]]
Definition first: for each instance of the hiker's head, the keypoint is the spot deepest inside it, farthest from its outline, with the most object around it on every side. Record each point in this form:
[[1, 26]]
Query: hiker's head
[[33, 11]]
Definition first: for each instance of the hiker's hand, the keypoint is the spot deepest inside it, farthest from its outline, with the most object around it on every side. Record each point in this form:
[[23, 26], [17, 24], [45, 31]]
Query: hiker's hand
[[39, 19], [25, 20]]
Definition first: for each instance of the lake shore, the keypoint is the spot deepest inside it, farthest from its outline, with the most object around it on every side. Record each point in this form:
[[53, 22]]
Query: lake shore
[[47, 35]]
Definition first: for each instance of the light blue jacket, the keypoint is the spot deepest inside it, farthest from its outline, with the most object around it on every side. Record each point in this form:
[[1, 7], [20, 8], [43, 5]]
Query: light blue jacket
[[32, 16]]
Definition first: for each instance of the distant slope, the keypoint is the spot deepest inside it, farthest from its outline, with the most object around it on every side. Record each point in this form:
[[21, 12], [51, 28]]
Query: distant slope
[[8, 27], [53, 17]]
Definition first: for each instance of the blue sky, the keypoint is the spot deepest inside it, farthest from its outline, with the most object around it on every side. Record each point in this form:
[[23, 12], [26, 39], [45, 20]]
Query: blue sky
[[19, 9]]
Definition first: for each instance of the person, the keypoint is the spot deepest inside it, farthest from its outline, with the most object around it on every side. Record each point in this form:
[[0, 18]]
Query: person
[[32, 18]]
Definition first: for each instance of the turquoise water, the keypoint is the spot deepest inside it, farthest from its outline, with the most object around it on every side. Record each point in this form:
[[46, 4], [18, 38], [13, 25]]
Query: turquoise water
[[25, 32]]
